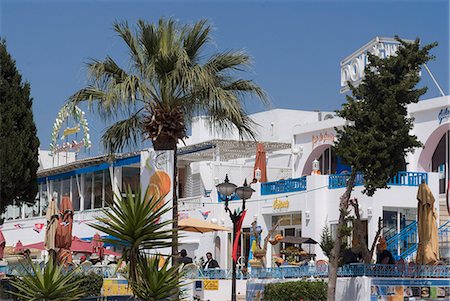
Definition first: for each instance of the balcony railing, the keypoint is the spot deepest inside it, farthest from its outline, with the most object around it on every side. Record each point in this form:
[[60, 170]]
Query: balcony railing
[[403, 178], [352, 270], [283, 186]]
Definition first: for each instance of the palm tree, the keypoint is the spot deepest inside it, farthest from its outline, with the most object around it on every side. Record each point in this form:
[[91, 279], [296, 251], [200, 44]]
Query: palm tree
[[51, 283], [168, 82], [155, 281], [134, 222]]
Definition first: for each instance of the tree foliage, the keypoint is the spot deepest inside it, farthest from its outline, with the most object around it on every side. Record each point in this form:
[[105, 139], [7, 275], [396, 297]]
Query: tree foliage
[[169, 81], [378, 137], [18, 141]]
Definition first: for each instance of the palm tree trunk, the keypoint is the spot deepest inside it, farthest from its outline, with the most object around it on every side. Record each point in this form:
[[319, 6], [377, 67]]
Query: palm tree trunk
[[336, 251]]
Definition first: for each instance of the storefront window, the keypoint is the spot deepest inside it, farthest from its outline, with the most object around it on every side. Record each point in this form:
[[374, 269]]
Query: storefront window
[[75, 193], [43, 196], [130, 178], [98, 189], [65, 188], [109, 195], [88, 191], [296, 219]]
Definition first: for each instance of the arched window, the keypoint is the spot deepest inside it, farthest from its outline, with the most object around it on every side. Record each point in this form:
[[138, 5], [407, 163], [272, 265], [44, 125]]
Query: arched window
[[328, 162], [440, 161]]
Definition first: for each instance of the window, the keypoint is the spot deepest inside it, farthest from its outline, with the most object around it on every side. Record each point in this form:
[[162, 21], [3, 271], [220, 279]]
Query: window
[[98, 189], [109, 194], [88, 191], [56, 190], [75, 193], [328, 162], [130, 178], [65, 188], [43, 196]]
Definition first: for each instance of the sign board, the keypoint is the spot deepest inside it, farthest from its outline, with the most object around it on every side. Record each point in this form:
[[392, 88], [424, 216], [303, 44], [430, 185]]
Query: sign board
[[211, 285], [279, 204], [352, 67]]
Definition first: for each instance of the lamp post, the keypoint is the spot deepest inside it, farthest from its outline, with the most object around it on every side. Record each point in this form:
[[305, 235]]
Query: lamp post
[[227, 191]]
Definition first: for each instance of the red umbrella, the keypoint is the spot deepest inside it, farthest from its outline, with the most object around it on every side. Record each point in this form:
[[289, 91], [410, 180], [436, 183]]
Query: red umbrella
[[19, 247], [2, 244], [260, 163], [97, 245]]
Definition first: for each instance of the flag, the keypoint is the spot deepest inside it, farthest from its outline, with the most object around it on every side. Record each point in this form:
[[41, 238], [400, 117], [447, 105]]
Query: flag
[[238, 234], [18, 226], [38, 227]]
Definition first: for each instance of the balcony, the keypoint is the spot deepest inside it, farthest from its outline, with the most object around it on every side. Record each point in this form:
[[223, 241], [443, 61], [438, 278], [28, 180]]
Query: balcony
[[403, 178], [283, 186]]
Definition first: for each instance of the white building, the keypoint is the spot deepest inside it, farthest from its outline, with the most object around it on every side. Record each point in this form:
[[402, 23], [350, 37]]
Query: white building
[[308, 201]]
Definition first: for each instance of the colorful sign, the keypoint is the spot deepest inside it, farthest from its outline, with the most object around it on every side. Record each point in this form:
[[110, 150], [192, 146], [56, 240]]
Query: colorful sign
[[322, 138], [407, 289], [63, 116], [211, 285], [279, 204], [115, 287]]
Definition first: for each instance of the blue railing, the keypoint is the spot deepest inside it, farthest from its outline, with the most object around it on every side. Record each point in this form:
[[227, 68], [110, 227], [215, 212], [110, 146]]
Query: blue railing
[[351, 270], [404, 244], [402, 178], [283, 186]]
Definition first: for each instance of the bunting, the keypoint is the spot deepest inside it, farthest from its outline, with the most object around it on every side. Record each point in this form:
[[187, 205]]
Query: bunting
[[38, 227]]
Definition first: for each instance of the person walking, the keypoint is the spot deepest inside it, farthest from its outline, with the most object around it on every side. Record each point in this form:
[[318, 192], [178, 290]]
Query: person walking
[[184, 259]]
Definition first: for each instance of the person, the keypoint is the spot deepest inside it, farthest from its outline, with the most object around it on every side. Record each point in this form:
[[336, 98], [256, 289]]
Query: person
[[210, 262], [82, 259], [184, 259]]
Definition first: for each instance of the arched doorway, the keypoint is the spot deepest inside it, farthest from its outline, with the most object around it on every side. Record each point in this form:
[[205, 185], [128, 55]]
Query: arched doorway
[[328, 161]]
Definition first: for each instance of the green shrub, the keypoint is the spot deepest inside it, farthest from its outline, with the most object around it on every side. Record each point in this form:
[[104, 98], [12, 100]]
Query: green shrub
[[295, 291], [91, 284]]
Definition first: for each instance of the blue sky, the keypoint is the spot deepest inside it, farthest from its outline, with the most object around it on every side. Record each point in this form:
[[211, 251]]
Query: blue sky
[[296, 45]]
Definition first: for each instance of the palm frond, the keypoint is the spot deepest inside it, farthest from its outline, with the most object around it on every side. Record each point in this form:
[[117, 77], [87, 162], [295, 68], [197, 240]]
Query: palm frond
[[123, 134], [156, 282]]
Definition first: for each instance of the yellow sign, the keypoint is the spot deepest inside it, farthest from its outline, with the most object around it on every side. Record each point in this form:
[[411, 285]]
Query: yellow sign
[[211, 285], [278, 204]]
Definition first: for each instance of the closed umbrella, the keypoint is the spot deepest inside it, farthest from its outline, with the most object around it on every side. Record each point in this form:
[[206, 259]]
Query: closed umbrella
[[428, 248], [63, 239], [2, 244], [260, 164], [64, 230], [52, 224]]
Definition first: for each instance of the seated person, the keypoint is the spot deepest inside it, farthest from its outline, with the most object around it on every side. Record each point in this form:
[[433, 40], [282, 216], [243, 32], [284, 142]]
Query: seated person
[[184, 259]]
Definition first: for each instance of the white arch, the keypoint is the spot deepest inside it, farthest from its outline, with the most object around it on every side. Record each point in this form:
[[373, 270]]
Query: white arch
[[315, 154], [424, 163]]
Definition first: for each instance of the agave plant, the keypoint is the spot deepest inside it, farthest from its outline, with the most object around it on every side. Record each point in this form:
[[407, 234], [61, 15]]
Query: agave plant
[[135, 222], [156, 282], [50, 283]]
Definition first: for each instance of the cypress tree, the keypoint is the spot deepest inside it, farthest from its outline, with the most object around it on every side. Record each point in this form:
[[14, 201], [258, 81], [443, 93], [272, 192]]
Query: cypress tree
[[377, 137], [18, 141]]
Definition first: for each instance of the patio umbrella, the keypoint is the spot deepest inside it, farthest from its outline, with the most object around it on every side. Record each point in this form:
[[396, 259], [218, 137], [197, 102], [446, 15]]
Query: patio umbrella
[[200, 226], [52, 224], [428, 248], [97, 245], [260, 163], [2, 244]]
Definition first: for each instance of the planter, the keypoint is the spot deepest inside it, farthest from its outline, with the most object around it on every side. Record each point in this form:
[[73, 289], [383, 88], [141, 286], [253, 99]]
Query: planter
[[259, 254]]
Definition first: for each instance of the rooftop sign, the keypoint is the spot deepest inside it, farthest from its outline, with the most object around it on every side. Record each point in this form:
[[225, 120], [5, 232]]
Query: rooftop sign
[[352, 67]]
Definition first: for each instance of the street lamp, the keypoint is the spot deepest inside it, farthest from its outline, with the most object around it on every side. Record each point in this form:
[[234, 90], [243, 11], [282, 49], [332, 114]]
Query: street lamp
[[227, 191]]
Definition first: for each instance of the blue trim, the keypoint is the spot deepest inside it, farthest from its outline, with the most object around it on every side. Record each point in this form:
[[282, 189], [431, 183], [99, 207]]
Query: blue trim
[[93, 168], [402, 178], [127, 161]]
